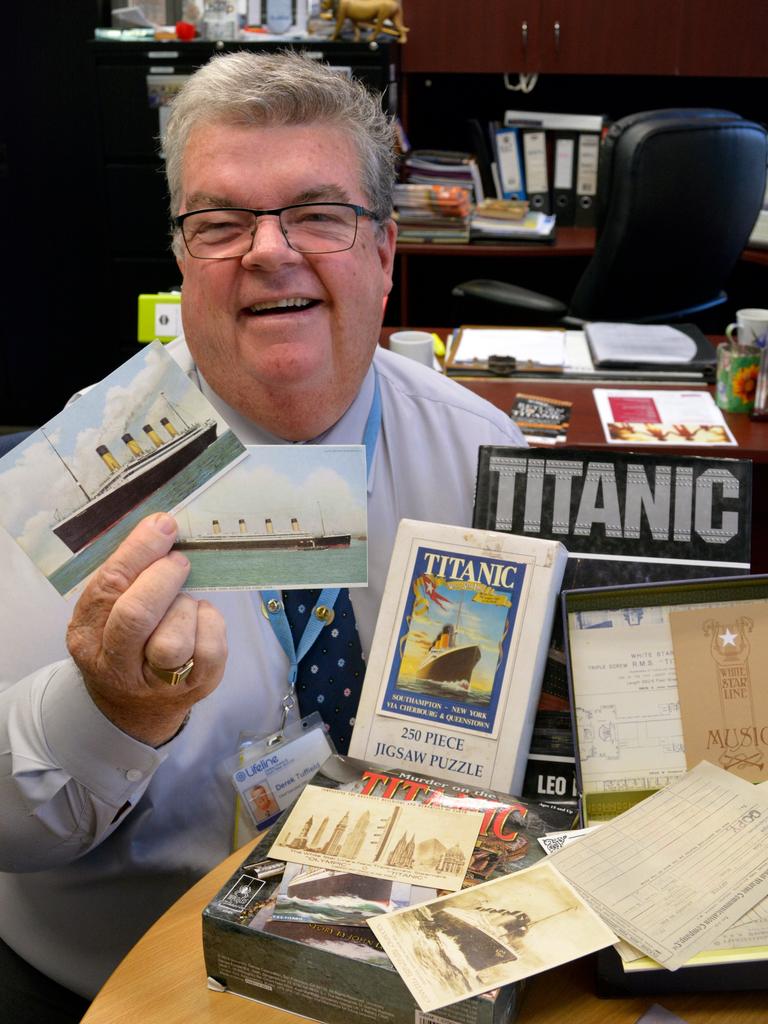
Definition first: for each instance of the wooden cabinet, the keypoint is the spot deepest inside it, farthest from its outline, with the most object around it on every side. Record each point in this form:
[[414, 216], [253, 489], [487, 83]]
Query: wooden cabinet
[[724, 39], [633, 37], [588, 37], [481, 35]]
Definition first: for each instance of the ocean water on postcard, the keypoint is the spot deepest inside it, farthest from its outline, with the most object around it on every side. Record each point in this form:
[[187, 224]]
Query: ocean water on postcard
[[248, 569], [196, 475]]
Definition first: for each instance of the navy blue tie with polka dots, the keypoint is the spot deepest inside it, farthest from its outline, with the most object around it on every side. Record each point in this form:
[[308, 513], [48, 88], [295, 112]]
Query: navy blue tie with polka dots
[[330, 675]]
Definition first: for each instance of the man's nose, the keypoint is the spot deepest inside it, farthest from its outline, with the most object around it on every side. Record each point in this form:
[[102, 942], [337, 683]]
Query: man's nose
[[269, 247]]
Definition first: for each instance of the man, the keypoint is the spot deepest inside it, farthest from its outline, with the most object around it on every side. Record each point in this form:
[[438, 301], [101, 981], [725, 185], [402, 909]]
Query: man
[[113, 797], [262, 803]]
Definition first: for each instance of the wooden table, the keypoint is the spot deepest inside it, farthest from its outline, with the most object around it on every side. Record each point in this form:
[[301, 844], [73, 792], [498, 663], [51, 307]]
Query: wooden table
[[162, 981]]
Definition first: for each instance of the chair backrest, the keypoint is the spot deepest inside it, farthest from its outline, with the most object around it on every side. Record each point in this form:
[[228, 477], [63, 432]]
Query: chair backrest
[[679, 192]]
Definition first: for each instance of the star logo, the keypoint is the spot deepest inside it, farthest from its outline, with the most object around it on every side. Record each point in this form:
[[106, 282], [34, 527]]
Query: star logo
[[728, 638]]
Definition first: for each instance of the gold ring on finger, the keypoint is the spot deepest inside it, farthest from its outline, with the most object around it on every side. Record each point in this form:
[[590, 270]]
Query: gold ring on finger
[[172, 676]]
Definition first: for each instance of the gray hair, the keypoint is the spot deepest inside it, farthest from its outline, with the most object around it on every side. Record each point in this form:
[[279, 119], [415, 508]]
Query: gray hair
[[265, 90]]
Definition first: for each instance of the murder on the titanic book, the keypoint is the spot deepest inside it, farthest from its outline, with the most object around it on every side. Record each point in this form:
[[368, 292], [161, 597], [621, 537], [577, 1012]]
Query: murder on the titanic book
[[625, 518], [297, 938]]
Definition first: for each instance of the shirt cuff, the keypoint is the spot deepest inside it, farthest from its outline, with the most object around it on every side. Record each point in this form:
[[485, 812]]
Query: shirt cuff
[[87, 746]]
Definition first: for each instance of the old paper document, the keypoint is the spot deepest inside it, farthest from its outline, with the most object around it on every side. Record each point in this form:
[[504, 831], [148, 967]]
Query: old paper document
[[671, 874], [490, 935], [720, 658], [627, 715], [367, 835]]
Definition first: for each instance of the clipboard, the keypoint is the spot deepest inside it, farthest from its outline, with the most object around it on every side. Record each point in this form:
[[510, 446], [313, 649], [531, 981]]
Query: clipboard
[[504, 351]]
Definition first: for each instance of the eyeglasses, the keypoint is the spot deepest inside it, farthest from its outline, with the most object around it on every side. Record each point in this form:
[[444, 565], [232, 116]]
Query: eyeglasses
[[222, 234]]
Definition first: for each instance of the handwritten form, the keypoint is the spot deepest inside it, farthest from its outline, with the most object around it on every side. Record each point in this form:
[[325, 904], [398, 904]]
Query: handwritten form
[[680, 867]]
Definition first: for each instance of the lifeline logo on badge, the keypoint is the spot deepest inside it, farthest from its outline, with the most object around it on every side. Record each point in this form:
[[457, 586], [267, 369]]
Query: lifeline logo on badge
[[268, 773]]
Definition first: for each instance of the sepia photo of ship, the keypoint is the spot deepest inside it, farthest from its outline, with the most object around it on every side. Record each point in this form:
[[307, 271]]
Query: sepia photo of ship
[[428, 846], [143, 440], [490, 935], [286, 516]]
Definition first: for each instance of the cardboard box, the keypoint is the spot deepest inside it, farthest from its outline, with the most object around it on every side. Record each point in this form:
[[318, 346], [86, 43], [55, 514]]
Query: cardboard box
[[326, 977], [628, 734], [339, 974]]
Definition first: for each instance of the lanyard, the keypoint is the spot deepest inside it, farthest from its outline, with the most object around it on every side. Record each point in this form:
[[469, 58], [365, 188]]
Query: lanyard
[[271, 601]]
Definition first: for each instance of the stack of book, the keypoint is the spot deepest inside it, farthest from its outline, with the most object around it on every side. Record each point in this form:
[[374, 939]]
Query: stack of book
[[510, 219], [432, 213], [443, 167]]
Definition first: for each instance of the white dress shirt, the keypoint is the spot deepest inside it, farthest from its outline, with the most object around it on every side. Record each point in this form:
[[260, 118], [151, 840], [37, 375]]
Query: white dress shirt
[[76, 889]]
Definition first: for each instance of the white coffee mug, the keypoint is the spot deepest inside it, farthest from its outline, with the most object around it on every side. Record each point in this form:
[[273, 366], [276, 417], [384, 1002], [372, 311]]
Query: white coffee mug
[[751, 327], [416, 345]]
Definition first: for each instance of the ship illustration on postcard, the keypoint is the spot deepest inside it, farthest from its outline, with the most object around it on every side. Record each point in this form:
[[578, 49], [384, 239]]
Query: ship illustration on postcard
[[143, 440], [453, 641]]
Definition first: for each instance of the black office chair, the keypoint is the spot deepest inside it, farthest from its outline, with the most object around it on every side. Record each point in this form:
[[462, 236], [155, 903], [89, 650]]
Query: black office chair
[[679, 192]]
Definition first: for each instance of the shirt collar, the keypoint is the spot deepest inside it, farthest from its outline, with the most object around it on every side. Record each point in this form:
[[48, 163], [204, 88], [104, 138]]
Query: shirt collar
[[349, 429]]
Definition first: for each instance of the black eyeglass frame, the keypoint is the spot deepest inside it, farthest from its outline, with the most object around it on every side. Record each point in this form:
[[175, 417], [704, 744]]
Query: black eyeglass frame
[[359, 211]]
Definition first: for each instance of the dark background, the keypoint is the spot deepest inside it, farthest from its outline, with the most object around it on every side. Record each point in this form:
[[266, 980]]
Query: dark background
[[69, 299]]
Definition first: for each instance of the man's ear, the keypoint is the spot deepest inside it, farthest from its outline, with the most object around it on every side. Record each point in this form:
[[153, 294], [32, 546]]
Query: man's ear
[[386, 244], [181, 262]]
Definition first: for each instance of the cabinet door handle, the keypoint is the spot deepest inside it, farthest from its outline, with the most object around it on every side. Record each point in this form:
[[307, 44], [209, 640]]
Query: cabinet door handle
[[557, 36], [524, 34]]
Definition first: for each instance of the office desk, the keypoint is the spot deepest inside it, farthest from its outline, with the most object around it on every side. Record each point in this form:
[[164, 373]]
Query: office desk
[[162, 981], [568, 242], [585, 431]]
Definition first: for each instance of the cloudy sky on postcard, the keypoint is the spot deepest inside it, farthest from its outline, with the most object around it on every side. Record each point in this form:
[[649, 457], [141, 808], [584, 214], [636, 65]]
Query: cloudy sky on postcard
[[287, 516]]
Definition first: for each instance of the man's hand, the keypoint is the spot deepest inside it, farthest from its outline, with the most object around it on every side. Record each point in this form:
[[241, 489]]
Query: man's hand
[[131, 613]]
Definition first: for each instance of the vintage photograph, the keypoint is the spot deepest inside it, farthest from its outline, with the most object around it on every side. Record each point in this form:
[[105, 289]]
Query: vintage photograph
[[142, 440], [495, 933], [406, 842], [626, 702], [288, 516]]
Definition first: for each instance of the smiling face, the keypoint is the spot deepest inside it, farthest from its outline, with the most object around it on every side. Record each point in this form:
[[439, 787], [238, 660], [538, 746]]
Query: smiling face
[[284, 337]]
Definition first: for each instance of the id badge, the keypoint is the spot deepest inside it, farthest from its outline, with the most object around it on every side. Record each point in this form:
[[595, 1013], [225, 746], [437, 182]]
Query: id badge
[[268, 773]]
